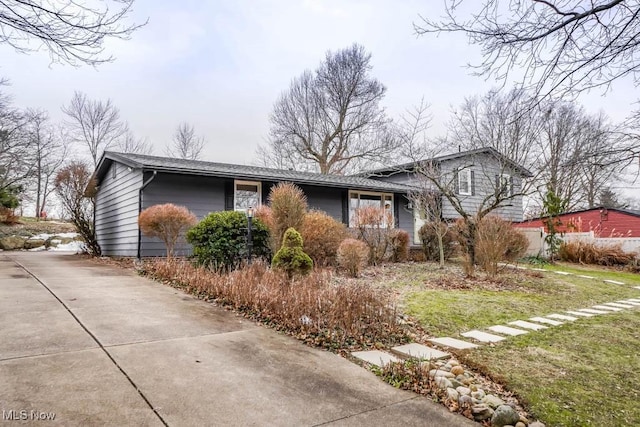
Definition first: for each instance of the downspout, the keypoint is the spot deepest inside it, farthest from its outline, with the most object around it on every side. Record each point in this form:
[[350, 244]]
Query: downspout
[[144, 185]]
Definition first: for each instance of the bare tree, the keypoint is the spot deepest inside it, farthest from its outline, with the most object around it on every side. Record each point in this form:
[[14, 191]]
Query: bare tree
[[49, 153], [15, 153], [73, 32], [428, 204], [186, 144], [129, 143], [329, 120], [96, 124]]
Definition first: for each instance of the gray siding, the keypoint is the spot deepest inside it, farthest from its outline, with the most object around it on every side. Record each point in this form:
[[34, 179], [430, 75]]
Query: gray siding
[[404, 214], [325, 199], [201, 195], [117, 211]]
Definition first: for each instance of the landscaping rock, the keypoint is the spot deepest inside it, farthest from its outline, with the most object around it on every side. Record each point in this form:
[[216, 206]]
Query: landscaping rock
[[479, 394], [504, 415], [536, 424], [494, 402], [12, 243], [33, 243], [457, 370], [463, 390], [520, 424], [481, 412], [456, 383], [452, 394], [465, 400], [440, 373], [443, 383]]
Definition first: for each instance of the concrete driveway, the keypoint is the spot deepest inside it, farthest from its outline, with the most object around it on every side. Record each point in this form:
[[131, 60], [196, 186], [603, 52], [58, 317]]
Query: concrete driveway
[[97, 345]]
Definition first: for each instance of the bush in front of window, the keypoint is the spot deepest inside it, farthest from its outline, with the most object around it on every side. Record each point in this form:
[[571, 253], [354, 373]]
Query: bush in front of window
[[220, 240], [290, 257], [430, 233], [399, 241], [353, 255], [322, 236], [371, 224], [167, 222], [288, 207]]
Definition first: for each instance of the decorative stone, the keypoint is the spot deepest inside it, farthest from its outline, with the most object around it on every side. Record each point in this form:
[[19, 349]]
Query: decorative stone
[[33, 243], [482, 336], [592, 311], [504, 415], [465, 400], [493, 401], [419, 351], [12, 243], [457, 370], [585, 277], [443, 383], [453, 343], [520, 424], [618, 305], [452, 394], [580, 314], [440, 373], [536, 424], [606, 307], [562, 317], [453, 363], [463, 391], [563, 273], [481, 412], [479, 394], [455, 383], [506, 330], [375, 357], [527, 325], [547, 321], [630, 302], [615, 282]]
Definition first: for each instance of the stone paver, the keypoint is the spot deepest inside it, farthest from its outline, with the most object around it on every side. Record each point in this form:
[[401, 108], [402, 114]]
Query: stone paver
[[581, 313], [619, 305], [564, 273], [562, 317], [375, 357], [547, 321], [615, 282], [634, 299], [419, 351], [636, 287], [585, 276], [482, 336], [606, 307], [528, 325], [506, 330], [592, 311], [538, 269], [453, 343], [630, 302]]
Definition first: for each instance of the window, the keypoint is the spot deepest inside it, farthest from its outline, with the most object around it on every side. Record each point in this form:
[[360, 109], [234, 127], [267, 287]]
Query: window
[[464, 182], [247, 194], [359, 199], [505, 183]]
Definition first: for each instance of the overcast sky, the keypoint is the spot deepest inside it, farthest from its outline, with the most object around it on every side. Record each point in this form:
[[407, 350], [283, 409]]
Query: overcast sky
[[220, 65]]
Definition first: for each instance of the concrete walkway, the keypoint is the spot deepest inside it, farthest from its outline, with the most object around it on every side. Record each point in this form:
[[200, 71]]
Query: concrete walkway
[[97, 345]]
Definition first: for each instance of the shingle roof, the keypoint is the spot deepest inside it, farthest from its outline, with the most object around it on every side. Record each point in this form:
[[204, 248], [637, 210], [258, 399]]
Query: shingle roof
[[196, 167]]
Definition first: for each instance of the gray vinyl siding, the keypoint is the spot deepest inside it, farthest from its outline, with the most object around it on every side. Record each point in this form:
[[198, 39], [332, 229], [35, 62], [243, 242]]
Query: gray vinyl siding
[[325, 199], [201, 195], [117, 211]]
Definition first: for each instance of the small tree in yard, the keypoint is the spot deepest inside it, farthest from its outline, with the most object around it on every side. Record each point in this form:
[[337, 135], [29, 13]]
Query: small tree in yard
[[288, 207], [353, 256], [429, 205], [372, 224], [167, 222], [553, 206], [76, 192], [496, 241], [290, 257]]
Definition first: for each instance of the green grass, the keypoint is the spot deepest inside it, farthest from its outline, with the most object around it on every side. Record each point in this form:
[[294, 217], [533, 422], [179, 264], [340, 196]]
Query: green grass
[[581, 373]]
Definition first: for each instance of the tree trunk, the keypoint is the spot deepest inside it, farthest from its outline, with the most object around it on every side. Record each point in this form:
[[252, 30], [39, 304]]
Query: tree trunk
[[441, 250]]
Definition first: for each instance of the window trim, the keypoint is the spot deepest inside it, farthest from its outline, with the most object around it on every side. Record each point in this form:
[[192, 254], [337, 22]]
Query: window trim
[[235, 189], [469, 191], [383, 199]]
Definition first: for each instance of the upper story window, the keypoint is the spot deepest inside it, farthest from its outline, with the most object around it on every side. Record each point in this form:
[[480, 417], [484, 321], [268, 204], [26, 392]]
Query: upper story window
[[361, 199], [247, 194], [505, 183], [465, 184]]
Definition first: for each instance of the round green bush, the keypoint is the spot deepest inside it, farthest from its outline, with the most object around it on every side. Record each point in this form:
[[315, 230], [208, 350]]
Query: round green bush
[[220, 239]]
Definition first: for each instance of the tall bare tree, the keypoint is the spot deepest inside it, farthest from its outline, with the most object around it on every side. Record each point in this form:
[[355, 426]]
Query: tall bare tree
[[330, 119], [15, 152], [95, 124], [72, 31], [185, 143], [129, 143], [49, 153]]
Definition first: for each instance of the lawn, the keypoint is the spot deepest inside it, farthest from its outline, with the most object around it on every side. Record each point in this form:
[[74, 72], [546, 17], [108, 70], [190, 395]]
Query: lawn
[[580, 373]]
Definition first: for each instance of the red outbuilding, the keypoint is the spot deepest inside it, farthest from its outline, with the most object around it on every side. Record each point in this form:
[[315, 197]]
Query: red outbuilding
[[604, 222]]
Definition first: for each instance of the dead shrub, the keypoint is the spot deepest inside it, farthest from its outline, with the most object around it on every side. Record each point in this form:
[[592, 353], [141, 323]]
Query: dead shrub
[[264, 214], [399, 241], [313, 309], [322, 236], [429, 238], [353, 255], [589, 253], [372, 226], [167, 222], [7, 216], [496, 241], [288, 207]]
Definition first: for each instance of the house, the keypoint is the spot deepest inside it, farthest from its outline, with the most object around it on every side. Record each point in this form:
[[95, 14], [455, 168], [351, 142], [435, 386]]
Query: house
[[129, 183], [473, 176], [603, 222]]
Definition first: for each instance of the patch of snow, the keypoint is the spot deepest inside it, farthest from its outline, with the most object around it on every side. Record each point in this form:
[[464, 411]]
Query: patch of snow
[[45, 236], [75, 246], [38, 249]]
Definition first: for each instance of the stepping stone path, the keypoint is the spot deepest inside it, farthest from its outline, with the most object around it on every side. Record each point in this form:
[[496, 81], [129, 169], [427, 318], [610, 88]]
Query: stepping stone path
[[585, 277], [528, 325], [629, 302], [564, 273], [619, 305], [506, 330], [482, 336], [636, 287], [592, 311], [615, 282], [419, 351], [581, 313], [547, 321], [375, 357], [453, 343], [562, 317], [606, 307]]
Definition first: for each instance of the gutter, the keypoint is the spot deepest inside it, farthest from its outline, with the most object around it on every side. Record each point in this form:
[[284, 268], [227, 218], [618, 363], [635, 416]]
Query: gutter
[[144, 185]]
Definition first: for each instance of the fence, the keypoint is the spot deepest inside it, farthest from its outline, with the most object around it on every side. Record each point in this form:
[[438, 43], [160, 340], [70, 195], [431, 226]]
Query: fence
[[537, 245]]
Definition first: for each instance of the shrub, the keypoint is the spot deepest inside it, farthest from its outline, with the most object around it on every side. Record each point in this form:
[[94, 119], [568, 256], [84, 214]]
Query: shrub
[[497, 240], [322, 236], [7, 216], [429, 237], [316, 310], [290, 257], [353, 255], [399, 241], [371, 223], [220, 239], [167, 222], [288, 207], [589, 253], [264, 214]]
